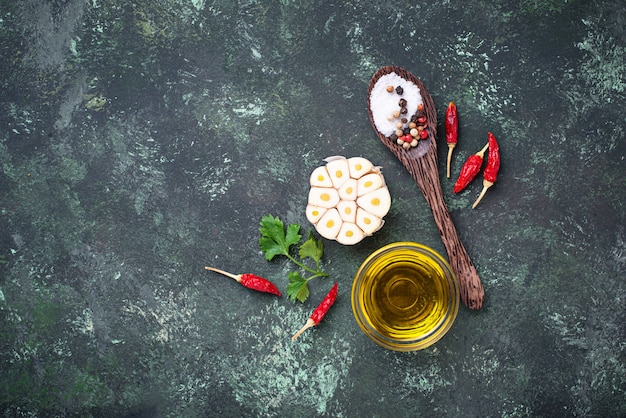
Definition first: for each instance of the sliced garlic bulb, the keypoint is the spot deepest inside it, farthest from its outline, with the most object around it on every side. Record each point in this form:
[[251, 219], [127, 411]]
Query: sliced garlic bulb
[[348, 199]]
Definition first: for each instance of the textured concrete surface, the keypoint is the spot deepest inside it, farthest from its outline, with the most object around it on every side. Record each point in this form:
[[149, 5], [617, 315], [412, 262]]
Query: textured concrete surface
[[141, 140]]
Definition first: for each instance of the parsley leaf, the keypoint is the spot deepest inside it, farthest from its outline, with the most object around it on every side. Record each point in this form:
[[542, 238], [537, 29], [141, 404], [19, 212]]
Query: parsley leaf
[[297, 288], [313, 248], [275, 240]]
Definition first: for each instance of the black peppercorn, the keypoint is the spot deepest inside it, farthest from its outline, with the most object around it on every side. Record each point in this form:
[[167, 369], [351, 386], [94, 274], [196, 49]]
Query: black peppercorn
[[404, 120], [393, 137], [414, 118], [404, 111], [402, 103], [399, 90], [406, 131]]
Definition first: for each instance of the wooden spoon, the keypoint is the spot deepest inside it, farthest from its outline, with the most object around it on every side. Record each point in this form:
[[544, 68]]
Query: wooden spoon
[[421, 162]]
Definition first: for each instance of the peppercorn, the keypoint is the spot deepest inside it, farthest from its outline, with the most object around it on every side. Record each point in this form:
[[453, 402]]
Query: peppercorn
[[393, 137], [399, 90], [412, 125], [404, 111], [389, 89], [396, 114], [414, 132], [404, 120], [406, 131], [402, 103], [423, 134]]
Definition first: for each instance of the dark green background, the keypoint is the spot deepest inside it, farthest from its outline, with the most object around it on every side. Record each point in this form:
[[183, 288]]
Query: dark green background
[[141, 140]]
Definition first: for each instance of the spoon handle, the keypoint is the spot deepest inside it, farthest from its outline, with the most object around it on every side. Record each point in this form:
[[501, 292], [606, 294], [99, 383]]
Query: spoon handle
[[424, 171]]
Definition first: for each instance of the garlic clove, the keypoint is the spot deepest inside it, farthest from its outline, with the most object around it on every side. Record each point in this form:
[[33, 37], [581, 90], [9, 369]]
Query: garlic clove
[[347, 210], [314, 213], [367, 222], [369, 183], [320, 178], [349, 234], [339, 172], [349, 190], [359, 166], [325, 197], [377, 202], [329, 224]]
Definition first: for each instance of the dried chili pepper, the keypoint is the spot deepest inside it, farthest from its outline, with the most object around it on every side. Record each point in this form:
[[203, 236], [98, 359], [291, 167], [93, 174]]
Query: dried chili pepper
[[250, 281], [493, 166], [452, 131], [319, 312], [470, 170]]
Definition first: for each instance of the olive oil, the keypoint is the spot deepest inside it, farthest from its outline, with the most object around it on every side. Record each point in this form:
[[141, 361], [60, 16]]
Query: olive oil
[[404, 295]]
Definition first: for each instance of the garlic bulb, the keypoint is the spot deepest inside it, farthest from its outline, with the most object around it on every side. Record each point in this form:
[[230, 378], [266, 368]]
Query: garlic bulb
[[348, 199]]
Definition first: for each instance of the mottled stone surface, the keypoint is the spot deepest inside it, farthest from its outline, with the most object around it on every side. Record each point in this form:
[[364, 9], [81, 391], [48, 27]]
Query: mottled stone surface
[[141, 140]]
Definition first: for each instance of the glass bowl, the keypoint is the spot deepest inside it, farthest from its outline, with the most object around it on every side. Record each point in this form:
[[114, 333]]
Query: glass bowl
[[405, 296]]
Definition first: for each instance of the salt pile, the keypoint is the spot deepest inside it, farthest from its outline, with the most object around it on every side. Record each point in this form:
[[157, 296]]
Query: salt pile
[[384, 103]]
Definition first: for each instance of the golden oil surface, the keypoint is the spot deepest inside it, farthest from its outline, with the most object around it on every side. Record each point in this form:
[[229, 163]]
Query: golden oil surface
[[404, 295]]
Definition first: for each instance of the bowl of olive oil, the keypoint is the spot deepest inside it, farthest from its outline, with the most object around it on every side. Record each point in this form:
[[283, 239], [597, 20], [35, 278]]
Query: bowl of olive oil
[[405, 296]]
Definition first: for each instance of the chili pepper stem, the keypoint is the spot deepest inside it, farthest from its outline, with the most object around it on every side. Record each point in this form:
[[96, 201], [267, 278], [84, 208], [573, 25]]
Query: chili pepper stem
[[236, 277], [450, 148], [309, 324], [481, 153], [486, 185]]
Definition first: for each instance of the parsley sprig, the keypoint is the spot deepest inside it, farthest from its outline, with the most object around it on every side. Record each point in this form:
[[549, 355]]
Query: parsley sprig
[[275, 240]]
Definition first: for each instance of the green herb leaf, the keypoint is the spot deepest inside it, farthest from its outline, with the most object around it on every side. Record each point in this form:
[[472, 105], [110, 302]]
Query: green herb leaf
[[273, 239], [313, 248], [297, 288]]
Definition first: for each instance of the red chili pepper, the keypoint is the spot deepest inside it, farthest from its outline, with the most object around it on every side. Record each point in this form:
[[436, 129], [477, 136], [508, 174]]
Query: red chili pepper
[[319, 312], [452, 131], [250, 281], [493, 166], [470, 170]]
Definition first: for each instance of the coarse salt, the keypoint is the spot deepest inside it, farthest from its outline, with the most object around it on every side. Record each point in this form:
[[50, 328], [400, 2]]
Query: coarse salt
[[383, 103]]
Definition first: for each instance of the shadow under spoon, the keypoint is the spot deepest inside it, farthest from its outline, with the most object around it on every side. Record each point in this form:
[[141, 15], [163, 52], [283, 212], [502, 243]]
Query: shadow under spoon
[[421, 162]]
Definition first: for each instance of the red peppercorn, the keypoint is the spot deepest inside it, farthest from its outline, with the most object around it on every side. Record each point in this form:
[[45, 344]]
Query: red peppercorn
[[423, 134]]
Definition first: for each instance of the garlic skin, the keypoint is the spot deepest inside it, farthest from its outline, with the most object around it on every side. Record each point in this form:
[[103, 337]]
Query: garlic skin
[[348, 199]]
